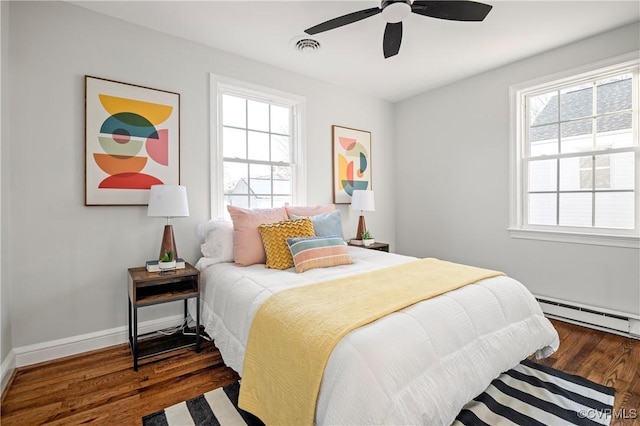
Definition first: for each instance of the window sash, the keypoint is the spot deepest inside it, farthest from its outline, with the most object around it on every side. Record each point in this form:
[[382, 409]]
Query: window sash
[[269, 196], [271, 192], [522, 157]]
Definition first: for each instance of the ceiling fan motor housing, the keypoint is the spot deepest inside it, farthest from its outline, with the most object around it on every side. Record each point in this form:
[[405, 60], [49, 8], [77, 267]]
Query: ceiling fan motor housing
[[394, 11]]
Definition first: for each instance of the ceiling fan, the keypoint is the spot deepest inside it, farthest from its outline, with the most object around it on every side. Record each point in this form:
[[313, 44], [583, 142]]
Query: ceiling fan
[[394, 11]]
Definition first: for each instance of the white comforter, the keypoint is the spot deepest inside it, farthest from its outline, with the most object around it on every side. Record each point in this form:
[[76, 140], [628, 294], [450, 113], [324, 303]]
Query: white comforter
[[416, 366]]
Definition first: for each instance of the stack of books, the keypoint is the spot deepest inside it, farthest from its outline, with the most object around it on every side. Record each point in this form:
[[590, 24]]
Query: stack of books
[[153, 265]]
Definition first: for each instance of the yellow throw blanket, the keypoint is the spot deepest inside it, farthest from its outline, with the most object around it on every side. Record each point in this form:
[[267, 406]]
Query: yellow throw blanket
[[294, 331]]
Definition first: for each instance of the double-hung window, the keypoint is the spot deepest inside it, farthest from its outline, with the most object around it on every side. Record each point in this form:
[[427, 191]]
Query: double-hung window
[[576, 157], [259, 149]]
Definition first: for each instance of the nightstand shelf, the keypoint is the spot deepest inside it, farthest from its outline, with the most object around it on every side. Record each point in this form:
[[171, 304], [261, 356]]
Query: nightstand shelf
[[157, 344], [152, 288], [169, 292]]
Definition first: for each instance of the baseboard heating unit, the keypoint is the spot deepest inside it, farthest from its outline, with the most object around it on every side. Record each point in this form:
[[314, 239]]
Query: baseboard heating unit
[[600, 319]]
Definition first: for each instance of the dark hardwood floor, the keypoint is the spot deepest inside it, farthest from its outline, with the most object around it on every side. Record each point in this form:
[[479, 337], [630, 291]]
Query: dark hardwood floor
[[100, 387]]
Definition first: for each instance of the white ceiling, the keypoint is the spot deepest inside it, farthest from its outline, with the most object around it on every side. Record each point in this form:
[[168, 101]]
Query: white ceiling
[[434, 52]]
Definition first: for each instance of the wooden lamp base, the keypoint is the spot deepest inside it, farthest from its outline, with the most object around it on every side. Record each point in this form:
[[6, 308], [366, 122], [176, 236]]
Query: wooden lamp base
[[168, 243], [361, 228]]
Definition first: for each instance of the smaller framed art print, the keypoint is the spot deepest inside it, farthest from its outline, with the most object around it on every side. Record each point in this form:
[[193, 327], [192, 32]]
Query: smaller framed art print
[[132, 141], [351, 162]]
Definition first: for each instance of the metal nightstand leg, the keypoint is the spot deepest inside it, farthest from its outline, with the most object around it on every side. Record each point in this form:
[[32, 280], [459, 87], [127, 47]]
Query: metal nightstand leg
[[135, 338], [130, 322], [198, 323], [133, 334], [186, 315]]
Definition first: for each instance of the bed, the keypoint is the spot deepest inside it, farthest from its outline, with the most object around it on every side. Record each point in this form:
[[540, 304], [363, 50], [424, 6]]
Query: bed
[[419, 365]]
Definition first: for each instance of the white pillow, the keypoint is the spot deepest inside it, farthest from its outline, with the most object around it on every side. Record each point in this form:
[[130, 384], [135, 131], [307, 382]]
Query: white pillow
[[218, 240]]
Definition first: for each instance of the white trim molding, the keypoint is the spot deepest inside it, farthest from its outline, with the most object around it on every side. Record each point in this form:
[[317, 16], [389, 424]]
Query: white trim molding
[[6, 370], [577, 238], [47, 351], [54, 349]]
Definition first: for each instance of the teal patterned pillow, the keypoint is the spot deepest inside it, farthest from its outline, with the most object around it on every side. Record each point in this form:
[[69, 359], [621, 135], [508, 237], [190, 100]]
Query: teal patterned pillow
[[326, 224]]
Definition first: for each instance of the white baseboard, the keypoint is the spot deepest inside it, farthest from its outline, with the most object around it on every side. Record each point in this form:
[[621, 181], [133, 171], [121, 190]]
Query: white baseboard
[[46, 351], [6, 370]]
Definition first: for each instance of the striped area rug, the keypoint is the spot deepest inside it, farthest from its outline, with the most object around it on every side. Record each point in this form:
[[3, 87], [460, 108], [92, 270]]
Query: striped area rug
[[528, 394], [535, 395], [216, 407]]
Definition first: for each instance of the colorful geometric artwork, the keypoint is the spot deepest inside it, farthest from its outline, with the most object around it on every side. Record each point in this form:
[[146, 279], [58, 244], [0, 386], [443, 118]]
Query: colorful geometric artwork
[[351, 162], [132, 141]]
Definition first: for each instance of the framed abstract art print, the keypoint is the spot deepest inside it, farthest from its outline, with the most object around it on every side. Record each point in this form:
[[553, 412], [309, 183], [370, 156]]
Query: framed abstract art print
[[351, 162], [132, 141]]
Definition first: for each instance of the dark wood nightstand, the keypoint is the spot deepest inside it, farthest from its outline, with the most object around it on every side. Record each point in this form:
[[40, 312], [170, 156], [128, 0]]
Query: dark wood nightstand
[[375, 246], [152, 288]]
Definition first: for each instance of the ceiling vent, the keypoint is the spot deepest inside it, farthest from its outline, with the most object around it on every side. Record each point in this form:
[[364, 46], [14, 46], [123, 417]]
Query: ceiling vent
[[307, 45]]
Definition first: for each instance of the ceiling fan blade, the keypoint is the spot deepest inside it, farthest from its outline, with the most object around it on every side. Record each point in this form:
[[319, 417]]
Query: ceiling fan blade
[[452, 10], [343, 20], [392, 39]]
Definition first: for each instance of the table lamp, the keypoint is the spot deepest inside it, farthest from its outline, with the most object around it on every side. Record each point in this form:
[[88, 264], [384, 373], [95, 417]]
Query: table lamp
[[362, 200], [168, 201]]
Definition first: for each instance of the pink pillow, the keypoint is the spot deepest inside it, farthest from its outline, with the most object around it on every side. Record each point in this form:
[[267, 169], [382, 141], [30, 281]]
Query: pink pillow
[[247, 243], [310, 210]]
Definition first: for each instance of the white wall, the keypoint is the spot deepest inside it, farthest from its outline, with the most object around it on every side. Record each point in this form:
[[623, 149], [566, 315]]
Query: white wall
[[68, 262], [6, 342], [453, 162]]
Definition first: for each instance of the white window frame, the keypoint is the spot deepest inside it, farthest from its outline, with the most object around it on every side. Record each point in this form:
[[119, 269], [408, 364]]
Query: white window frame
[[220, 85], [518, 228]]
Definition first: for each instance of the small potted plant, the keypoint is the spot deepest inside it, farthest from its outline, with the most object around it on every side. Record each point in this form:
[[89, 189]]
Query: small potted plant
[[167, 261], [367, 238]]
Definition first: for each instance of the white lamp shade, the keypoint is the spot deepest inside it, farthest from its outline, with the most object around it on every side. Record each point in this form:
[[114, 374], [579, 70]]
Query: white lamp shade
[[168, 201], [363, 200]]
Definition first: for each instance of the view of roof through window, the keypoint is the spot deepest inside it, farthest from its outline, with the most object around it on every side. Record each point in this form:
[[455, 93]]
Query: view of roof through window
[[579, 172]]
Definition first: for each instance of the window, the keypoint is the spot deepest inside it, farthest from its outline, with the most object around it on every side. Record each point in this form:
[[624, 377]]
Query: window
[[575, 146], [259, 148]]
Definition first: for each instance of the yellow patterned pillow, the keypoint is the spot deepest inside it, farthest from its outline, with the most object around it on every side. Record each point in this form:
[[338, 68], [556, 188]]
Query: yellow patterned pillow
[[274, 238]]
